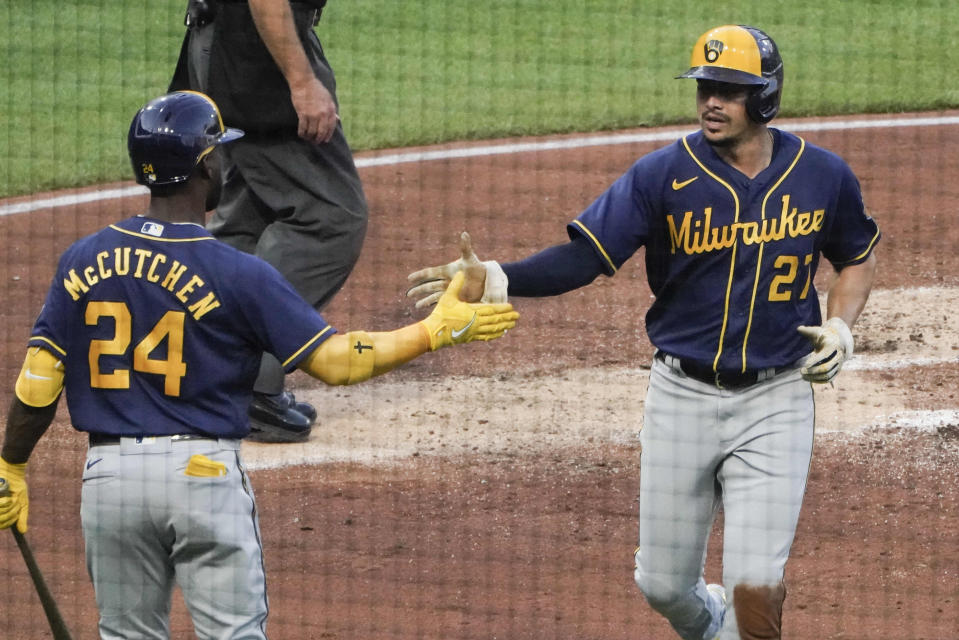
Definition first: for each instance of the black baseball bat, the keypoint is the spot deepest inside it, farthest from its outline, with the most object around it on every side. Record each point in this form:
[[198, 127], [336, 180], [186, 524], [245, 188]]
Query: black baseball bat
[[57, 625]]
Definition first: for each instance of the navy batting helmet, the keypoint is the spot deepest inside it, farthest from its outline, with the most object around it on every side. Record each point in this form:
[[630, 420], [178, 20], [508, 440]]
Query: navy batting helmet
[[738, 54], [171, 134]]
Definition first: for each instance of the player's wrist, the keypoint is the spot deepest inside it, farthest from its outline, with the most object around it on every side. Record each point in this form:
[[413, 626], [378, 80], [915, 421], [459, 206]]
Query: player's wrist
[[846, 340], [432, 328], [496, 283], [12, 470]]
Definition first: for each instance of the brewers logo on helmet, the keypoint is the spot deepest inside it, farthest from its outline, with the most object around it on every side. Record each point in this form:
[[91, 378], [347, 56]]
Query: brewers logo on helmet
[[739, 54], [171, 134]]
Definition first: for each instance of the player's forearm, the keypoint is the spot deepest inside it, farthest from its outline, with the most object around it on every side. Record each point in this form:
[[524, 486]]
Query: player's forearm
[[25, 426], [356, 356], [274, 22], [554, 270], [848, 294]]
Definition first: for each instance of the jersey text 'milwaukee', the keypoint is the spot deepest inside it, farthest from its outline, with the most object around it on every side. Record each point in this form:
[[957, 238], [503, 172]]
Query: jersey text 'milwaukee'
[[700, 237]]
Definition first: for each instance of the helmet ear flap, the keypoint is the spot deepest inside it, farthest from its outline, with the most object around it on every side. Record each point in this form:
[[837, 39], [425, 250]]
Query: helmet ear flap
[[766, 104], [763, 103]]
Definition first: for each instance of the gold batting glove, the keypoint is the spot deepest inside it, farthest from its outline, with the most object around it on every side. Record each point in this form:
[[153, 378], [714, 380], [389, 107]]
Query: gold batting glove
[[456, 322], [832, 345], [14, 501], [485, 281]]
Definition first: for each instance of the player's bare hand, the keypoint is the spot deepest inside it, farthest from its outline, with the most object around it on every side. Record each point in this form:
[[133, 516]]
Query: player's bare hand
[[832, 345], [14, 499], [454, 321], [484, 281], [315, 109]]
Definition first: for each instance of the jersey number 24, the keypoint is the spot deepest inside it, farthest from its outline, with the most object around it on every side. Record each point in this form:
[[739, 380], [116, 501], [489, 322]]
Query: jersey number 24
[[170, 327]]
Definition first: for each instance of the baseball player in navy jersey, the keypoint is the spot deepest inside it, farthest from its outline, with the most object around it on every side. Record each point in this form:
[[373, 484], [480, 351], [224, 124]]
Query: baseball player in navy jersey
[[734, 218], [155, 329]]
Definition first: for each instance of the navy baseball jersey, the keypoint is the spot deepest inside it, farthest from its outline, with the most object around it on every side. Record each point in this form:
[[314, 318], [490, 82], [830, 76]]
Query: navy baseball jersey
[[731, 260], [161, 329]]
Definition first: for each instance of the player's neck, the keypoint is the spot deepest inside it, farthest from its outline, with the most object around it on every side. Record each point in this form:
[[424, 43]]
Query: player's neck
[[180, 207], [749, 154]]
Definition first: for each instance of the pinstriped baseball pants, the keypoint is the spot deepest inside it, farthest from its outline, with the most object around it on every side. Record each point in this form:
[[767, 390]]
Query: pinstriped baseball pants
[[746, 450], [148, 526]]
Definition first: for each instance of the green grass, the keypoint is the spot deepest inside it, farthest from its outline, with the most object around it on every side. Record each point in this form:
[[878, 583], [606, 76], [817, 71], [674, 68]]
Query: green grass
[[423, 71]]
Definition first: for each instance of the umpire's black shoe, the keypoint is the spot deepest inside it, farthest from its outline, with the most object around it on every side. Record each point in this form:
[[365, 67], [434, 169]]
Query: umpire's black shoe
[[303, 407], [275, 418]]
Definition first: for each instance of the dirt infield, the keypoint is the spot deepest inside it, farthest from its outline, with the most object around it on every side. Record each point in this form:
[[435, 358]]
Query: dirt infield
[[491, 491]]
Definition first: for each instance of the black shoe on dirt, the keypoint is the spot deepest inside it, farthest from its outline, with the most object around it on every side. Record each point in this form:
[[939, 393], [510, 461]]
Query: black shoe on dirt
[[275, 418], [303, 407]]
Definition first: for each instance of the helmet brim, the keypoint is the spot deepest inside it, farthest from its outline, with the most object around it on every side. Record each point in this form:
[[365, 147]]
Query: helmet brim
[[229, 135], [723, 74]]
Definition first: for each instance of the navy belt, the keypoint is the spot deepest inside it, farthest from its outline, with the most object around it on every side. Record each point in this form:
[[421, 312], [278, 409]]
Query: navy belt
[[721, 379], [100, 439]]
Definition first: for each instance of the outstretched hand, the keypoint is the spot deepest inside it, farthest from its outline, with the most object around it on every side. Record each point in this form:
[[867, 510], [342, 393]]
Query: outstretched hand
[[483, 281], [454, 321]]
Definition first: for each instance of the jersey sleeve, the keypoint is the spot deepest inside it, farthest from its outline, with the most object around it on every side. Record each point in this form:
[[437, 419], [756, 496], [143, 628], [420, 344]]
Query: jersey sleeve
[[616, 223], [283, 322], [52, 329], [854, 233]]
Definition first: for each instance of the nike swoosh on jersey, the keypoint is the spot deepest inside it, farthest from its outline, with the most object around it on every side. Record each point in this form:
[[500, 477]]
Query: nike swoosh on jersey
[[457, 333], [679, 185], [93, 462], [33, 376]]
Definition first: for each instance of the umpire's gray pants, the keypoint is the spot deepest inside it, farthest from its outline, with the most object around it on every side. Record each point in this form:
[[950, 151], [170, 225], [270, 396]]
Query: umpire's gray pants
[[748, 450], [298, 205]]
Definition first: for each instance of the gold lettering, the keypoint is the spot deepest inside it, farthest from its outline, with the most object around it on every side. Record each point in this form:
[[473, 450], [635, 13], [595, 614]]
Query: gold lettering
[[770, 231], [74, 285], [121, 260], [91, 279], [723, 237], [104, 272], [789, 220], [702, 239], [680, 237], [750, 232], [785, 205], [157, 260], [173, 275], [188, 288], [201, 307], [142, 254], [695, 236], [817, 219]]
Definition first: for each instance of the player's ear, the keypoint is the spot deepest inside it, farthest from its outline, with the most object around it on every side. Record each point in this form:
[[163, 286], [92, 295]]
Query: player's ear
[[209, 165], [210, 168]]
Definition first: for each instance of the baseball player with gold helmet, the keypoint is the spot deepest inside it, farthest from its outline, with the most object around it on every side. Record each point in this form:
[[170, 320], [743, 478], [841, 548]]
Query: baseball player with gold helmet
[[734, 219], [156, 329]]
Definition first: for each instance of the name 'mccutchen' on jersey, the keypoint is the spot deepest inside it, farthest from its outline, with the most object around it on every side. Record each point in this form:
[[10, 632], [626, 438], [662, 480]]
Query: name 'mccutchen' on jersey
[[161, 329]]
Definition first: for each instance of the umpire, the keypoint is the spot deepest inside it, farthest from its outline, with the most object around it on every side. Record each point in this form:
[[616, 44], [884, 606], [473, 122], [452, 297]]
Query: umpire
[[291, 192]]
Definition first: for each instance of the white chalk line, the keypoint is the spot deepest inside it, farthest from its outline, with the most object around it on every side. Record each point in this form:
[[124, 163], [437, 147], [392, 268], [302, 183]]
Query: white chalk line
[[365, 161]]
